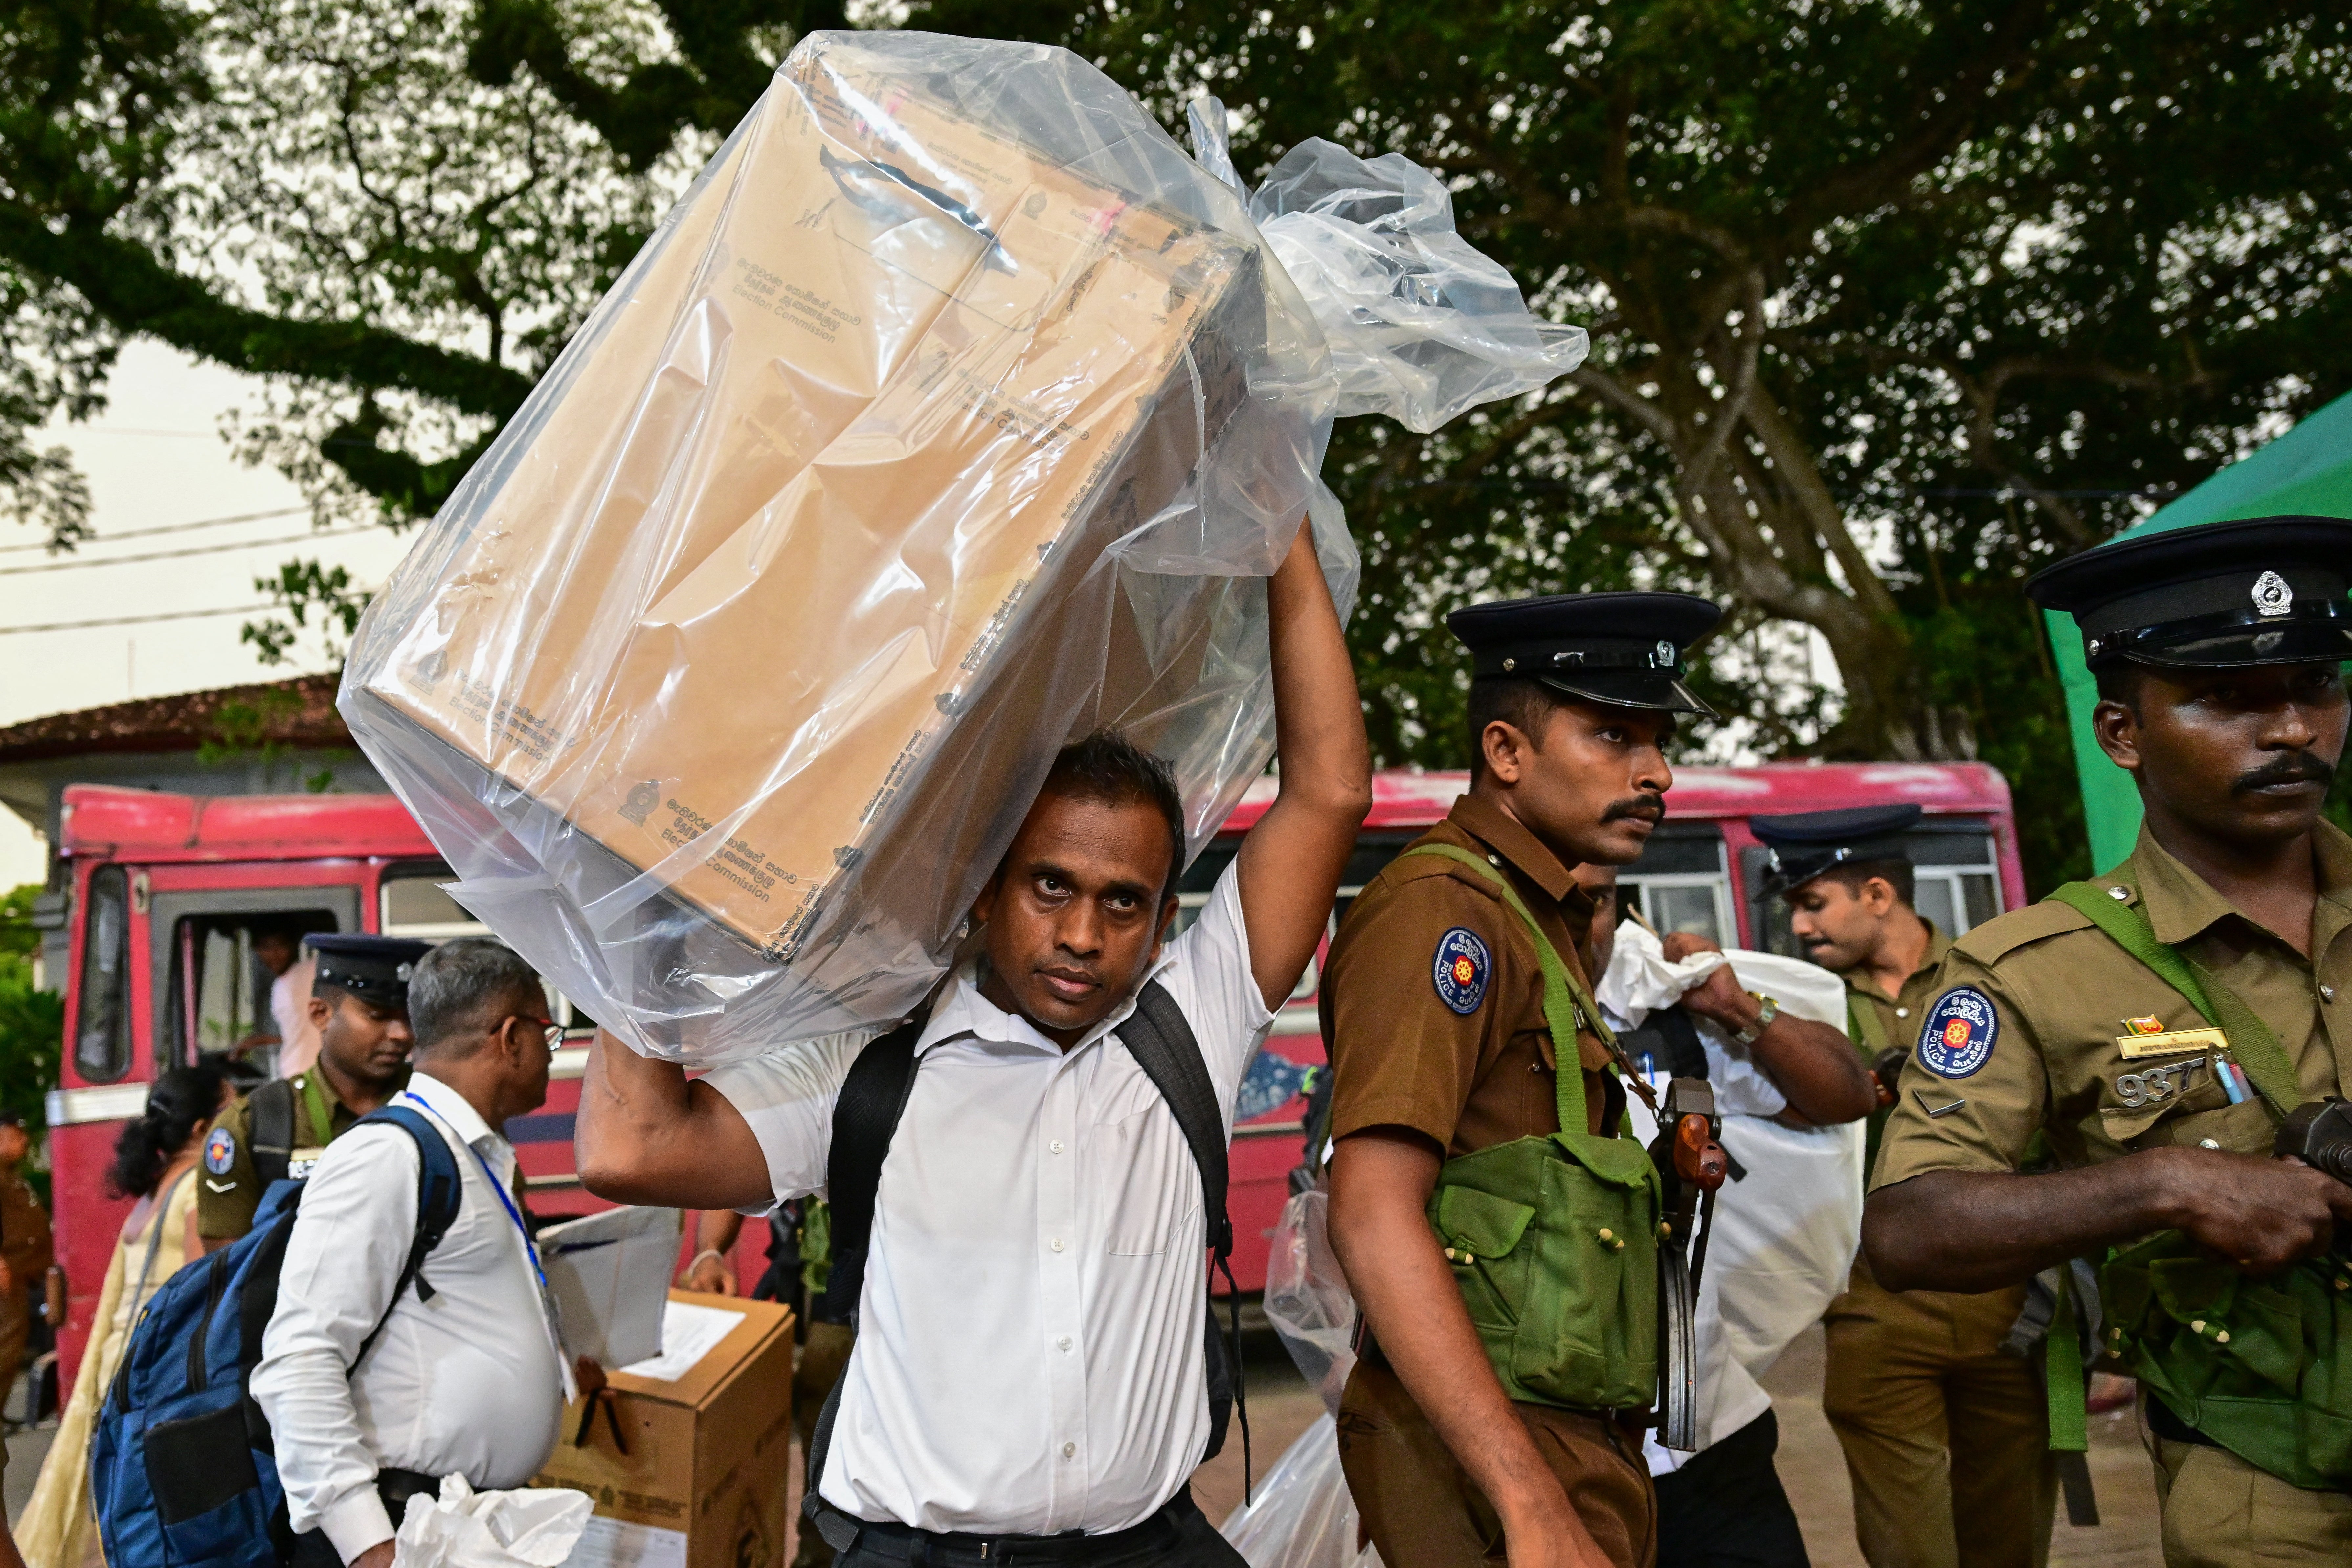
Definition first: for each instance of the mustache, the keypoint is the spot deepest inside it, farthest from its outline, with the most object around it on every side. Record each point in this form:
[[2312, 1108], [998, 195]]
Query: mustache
[[1652, 806], [2286, 768]]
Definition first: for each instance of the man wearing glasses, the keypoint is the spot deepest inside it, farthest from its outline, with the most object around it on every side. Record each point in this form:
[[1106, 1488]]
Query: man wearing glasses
[[468, 1382]]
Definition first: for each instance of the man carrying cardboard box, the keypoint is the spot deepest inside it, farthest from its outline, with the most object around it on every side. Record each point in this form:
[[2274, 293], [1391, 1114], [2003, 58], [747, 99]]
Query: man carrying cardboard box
[[1029, 1376]]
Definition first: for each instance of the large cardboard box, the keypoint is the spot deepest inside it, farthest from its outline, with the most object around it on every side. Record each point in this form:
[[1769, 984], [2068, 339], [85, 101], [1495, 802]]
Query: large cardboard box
[[703, 1481], [785, 584]]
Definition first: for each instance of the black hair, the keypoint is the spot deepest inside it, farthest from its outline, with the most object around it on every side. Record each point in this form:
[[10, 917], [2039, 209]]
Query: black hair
[[462, 988], [2120, 682], [178, 1103], [1896, 872], [1108, 767], [1526, 706]]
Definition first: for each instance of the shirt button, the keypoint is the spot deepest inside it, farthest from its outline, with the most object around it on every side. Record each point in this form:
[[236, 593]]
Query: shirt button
[[1069, 1450], [1494, 859], [1056, 1146], [1903, 1012], [2328, 994], [1055, 1243], [1064, 1342]]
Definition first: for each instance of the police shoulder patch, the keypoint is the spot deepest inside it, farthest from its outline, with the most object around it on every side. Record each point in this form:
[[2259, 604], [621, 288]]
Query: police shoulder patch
[[220, 1150], [1958, 1034], [1460, 970]]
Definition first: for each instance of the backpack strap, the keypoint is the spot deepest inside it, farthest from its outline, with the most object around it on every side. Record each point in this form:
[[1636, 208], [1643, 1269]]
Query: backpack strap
[[269, 1130], [864, 1116], [440, 1186], [2251, 1042], [1160, 1039]]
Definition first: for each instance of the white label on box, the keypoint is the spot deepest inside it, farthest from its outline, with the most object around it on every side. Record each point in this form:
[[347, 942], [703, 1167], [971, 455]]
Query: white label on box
[[617, 1544], [689, 1332]]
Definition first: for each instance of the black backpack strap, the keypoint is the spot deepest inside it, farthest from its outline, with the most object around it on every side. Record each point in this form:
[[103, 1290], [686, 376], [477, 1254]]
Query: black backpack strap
[[865, 1117], [269, 1130], [1162, 1043], [440, 1187]]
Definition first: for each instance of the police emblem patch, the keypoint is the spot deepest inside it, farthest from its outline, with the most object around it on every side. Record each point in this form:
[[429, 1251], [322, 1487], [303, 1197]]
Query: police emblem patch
[[1957, 1038], [220, 1150], [1460, 970]]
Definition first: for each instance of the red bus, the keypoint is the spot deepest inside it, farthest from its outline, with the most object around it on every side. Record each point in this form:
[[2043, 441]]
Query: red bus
[[167, 891]]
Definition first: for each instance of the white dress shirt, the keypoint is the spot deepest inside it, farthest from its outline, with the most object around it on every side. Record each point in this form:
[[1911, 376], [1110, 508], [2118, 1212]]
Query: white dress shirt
[[466, 1383], [1029, 1345]]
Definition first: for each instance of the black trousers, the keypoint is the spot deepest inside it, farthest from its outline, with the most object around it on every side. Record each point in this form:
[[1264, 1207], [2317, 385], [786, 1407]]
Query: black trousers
[[1178, 1536], [1725, 1508], [313, 1550]]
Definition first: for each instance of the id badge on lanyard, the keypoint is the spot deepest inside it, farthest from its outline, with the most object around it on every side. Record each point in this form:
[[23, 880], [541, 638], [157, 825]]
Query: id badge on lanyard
[[549, 1316]]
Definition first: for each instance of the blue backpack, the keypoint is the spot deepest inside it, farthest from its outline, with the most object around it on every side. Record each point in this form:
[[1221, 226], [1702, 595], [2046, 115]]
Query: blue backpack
[[181, 1468]]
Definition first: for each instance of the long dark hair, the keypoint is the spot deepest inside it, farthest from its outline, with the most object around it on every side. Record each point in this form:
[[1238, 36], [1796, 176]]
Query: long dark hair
[[179, 1101]]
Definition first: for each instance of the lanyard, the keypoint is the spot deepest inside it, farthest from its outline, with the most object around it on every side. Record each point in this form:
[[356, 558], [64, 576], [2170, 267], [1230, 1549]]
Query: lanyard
[[497, 1187]]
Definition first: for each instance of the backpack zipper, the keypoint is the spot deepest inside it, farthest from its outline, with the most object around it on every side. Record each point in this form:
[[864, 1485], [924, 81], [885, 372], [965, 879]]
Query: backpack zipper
[[214, 1287]]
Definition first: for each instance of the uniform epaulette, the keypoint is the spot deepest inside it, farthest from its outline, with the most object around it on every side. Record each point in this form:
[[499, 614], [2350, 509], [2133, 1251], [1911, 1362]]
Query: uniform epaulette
[[2003, 934], [1420, 868]]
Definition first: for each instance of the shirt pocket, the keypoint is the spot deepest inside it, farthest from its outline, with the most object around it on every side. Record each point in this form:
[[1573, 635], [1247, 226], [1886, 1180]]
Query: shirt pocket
[[1153, 1192], [2178, 1102], [1149, 1236]]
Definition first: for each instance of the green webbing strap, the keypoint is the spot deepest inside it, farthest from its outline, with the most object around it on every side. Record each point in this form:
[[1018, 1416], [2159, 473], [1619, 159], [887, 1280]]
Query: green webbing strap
[[1863, 1024], [2062, 1373], [2251, 1042], [314, 1099], [1566, 1001]]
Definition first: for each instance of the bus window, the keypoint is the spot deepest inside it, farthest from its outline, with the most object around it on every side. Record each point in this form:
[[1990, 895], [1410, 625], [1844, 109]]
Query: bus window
[[1680, 883], [102, 1040], [219, 1000], [412, 904]]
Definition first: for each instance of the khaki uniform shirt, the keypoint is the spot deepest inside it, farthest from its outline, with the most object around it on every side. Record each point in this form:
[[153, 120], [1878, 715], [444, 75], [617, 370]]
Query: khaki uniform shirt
[[1432, 996], [25, 1241], [2036, 1008], [229, 1190]]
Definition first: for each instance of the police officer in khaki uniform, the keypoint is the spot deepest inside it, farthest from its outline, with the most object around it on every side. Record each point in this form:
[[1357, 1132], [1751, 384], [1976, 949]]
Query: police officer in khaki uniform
[[1433, 1002], [359, 1003], [1946, 1433], [24, 1249], [2219, 652]]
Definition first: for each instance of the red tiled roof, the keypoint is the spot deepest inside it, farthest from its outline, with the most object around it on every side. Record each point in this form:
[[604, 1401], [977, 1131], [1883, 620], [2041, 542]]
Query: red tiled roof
[[298, 713]]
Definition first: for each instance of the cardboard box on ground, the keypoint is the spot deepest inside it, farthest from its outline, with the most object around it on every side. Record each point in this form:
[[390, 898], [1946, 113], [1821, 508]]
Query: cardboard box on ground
[[815, 539], [703, 1481]]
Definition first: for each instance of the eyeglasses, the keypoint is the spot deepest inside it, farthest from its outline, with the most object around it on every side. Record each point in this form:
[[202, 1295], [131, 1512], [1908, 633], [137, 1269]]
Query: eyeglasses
[[547, 1026]]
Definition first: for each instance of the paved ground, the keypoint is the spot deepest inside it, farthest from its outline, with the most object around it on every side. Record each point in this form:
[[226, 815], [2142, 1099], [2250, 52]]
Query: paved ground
[[1282, 1407]]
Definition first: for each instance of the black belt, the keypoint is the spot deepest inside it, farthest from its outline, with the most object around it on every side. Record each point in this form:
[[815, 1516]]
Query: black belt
[[903, 1543]]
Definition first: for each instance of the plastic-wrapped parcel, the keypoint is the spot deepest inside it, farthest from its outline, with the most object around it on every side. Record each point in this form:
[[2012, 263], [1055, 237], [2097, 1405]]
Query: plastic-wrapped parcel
[[952, 413]]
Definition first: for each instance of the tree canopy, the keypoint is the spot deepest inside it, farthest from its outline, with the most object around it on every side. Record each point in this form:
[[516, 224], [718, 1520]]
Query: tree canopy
[[1889, 303]]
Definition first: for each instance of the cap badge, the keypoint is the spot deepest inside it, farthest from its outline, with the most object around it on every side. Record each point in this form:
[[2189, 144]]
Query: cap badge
[[1665, 655], [401, 974], [2272, 595]]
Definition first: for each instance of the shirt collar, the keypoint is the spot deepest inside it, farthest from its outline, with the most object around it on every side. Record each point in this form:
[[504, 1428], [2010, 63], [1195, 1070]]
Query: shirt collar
[[1504, 833], [2181, 903], [962, 1010], [451, 1107]]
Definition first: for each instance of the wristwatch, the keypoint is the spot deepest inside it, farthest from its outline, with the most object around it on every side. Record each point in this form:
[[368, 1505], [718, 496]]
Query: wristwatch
[[1767, 1010]]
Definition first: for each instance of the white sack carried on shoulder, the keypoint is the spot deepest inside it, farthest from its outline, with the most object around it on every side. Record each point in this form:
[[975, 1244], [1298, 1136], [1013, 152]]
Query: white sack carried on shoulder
[[1639, 980], [530, 1527], [952, 413]]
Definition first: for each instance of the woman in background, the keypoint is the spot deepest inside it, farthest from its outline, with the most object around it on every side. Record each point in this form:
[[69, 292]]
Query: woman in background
[[155, 1159]]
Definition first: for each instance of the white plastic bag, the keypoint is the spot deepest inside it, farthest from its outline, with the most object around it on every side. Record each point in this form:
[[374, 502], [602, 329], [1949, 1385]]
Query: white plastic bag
[[1302, 1515], [531, 1527], [1307, 1297], [953, 413]]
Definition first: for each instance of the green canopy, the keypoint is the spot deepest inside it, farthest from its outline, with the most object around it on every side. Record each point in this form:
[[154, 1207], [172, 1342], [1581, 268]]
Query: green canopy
[[2307, 471]]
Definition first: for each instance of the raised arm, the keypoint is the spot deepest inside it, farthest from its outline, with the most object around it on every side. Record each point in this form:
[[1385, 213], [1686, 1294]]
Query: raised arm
[[648, 1135], [1291, 861]]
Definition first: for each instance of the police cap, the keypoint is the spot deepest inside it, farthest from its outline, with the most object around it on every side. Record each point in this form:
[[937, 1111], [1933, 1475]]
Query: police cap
[[1802, 844], [2268, 590], [1624, 650], [375, 968]]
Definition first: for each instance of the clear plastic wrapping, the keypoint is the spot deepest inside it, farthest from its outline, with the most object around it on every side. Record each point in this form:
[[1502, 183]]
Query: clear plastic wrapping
[[952, 413]]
